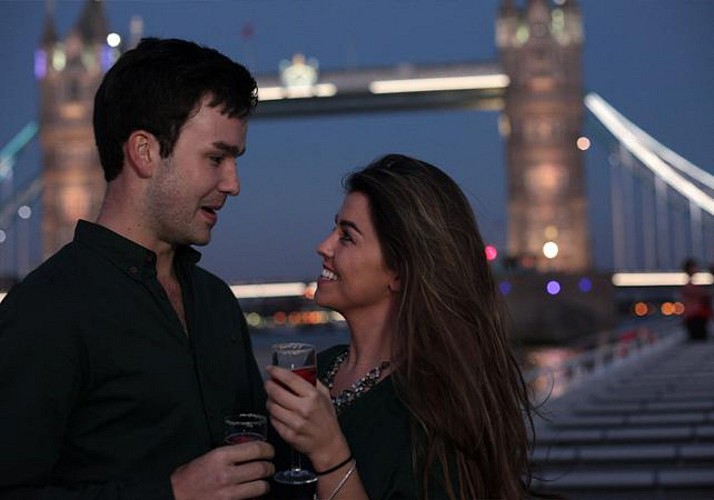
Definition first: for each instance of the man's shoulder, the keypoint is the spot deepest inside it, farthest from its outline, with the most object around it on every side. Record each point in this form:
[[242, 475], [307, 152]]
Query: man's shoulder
[[54, 278]]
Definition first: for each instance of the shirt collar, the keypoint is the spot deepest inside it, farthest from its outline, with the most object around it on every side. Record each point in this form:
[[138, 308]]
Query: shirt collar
[[135, 260]]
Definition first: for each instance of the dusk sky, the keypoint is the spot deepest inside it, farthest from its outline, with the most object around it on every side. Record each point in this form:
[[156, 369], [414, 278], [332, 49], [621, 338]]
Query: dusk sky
[[653, 60]]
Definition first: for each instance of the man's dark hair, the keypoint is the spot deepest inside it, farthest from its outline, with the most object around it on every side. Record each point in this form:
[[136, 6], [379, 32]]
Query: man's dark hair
[[156, 86]]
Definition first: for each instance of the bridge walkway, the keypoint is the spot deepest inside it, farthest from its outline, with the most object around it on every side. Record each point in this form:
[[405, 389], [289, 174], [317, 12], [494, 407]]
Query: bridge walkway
[[644, 429]]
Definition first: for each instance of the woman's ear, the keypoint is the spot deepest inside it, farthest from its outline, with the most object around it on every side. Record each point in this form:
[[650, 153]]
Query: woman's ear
[[141, 151], [395, 284]]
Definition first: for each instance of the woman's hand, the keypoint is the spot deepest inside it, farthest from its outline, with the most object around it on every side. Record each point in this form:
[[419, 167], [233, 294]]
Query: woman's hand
[[304, 416]]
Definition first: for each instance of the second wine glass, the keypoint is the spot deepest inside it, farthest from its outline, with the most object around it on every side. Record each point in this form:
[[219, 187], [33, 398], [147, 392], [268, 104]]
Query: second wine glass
[[301, 360]]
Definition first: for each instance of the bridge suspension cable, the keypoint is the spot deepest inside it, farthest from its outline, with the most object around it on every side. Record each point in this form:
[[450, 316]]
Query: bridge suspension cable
[[633, 139], [647, 207]]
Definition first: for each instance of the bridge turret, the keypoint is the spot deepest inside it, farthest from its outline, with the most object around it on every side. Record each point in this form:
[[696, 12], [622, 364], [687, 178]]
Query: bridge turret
[[73, 181], [542, 119]]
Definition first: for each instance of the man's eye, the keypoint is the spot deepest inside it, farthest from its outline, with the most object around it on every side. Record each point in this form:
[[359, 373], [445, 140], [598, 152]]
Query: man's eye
[[216, 160]]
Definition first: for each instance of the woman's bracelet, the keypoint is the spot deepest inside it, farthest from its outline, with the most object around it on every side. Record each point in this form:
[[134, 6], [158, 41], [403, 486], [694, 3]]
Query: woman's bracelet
[[343, 480], [333, 469]]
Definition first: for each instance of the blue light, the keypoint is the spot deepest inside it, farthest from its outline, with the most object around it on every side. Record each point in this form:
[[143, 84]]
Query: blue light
[[585, 285], [553, 287], [504, 287]]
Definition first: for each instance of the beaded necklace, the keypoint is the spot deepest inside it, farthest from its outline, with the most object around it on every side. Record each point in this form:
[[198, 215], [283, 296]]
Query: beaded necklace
[[360, 386]]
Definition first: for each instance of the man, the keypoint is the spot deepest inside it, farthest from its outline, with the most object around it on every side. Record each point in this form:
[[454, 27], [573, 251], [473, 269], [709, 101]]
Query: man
[[119, 357]]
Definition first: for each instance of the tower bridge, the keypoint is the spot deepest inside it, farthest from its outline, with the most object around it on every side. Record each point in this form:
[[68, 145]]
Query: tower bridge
[[661, 203]]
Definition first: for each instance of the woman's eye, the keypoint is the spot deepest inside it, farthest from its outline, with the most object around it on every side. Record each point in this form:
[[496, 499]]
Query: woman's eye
[[346, 236]]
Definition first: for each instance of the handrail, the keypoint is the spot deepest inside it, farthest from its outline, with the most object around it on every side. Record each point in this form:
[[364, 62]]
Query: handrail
[[613, 350]]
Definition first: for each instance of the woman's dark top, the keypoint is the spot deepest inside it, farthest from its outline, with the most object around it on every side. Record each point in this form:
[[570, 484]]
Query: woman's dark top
[[376, 426]]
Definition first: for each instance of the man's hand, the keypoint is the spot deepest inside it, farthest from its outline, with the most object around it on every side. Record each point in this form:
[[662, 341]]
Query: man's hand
[[229, 472]]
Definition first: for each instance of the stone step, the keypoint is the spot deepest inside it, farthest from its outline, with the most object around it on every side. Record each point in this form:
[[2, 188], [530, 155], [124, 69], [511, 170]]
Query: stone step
[[620, 420], [684, 434], [654, 407], [699, 478], [631, 454]]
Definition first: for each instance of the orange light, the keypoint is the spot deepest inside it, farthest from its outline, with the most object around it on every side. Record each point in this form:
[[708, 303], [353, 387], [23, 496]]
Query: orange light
[[640, 309], [667, 308], [279, 318], [678, 308]]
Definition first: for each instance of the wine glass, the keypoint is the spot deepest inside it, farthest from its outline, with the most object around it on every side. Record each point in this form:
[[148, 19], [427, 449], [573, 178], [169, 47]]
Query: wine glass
[[246, 427], [300, 359]]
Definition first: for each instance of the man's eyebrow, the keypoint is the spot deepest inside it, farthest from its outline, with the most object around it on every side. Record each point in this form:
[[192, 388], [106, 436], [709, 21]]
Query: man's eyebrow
[[229, 148], [347, 223]]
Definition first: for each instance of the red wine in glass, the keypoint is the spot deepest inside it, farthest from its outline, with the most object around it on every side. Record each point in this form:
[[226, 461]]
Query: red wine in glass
[[308, 373], [301, 360], [243, 437]]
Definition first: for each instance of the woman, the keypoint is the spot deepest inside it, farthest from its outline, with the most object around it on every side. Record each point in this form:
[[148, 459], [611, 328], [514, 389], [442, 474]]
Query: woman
[[427, 400]]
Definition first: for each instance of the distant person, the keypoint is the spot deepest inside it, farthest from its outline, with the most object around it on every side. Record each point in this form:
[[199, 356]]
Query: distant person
[[697, 301], [427, 399], [119, 356]]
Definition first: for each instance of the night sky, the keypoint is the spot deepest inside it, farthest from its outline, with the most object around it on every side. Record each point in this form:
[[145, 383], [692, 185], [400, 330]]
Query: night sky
[[651, 59]]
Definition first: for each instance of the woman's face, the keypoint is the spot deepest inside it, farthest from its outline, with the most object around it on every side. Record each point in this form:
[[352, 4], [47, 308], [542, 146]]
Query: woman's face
[[354, 276]]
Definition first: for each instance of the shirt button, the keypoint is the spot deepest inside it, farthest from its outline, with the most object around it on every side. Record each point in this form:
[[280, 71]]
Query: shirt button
[[133, 269]]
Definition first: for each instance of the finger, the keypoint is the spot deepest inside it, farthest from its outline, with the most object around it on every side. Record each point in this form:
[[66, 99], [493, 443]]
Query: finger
[[246, 452], [253, 489], [295, 383], [282, 396], [250, 471], [322, 390], [286, 418]]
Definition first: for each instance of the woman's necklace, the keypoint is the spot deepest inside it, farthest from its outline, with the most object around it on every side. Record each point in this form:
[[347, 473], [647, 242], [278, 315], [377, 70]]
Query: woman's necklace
[[360, 386]]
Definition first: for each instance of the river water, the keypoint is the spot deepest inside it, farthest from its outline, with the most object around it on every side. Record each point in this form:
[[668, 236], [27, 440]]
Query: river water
[[323, 337]]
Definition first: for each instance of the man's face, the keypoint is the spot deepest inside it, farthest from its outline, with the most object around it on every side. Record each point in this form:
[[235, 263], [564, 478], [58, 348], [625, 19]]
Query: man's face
[[191, 185]]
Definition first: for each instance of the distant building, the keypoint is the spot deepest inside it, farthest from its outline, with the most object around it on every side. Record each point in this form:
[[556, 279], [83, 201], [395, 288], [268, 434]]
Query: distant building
[[541, 48], [69, 72]]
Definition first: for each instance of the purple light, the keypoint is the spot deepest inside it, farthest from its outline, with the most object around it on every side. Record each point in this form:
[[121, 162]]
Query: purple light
[[553, 287], [40, 64], [504, 287], [585, 285]]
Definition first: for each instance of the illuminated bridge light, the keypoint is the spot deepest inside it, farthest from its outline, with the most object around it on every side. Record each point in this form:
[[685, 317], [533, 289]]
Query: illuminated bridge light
[[585, 285], [553, 287], [491, 252], [640, 309], [439, 84], [583, 143]]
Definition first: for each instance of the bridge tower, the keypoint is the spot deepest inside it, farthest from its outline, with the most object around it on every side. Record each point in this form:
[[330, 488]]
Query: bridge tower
[[540, 46], [69, 72]]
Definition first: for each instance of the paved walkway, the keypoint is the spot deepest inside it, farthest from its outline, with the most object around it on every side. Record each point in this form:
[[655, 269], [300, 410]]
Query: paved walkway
[[643, 430]]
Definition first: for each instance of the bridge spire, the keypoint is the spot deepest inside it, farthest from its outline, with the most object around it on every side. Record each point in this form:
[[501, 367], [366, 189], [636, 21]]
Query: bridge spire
[[540, 48]]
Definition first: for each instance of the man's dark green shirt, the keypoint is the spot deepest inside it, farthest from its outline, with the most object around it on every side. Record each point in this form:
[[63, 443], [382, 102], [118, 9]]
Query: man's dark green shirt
[[102, 392]]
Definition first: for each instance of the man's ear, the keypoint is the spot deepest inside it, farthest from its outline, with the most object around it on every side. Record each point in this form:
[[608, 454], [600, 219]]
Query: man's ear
[[141, 150]]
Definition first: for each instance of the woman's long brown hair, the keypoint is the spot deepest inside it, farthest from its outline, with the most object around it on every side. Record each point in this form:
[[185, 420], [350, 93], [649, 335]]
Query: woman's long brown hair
[[455, 371]]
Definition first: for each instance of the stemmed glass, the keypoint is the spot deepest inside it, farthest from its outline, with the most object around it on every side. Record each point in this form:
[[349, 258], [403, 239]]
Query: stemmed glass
[[301, 360]]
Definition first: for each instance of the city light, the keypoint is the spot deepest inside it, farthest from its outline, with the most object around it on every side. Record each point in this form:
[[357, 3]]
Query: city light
[[24, 212], [553, 287], [278, 93], [504, 287], [585, 284], [550, 250], [3, 236], [583, 143], [659, 279], [491, 252], [113, 40], [472, 82]]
